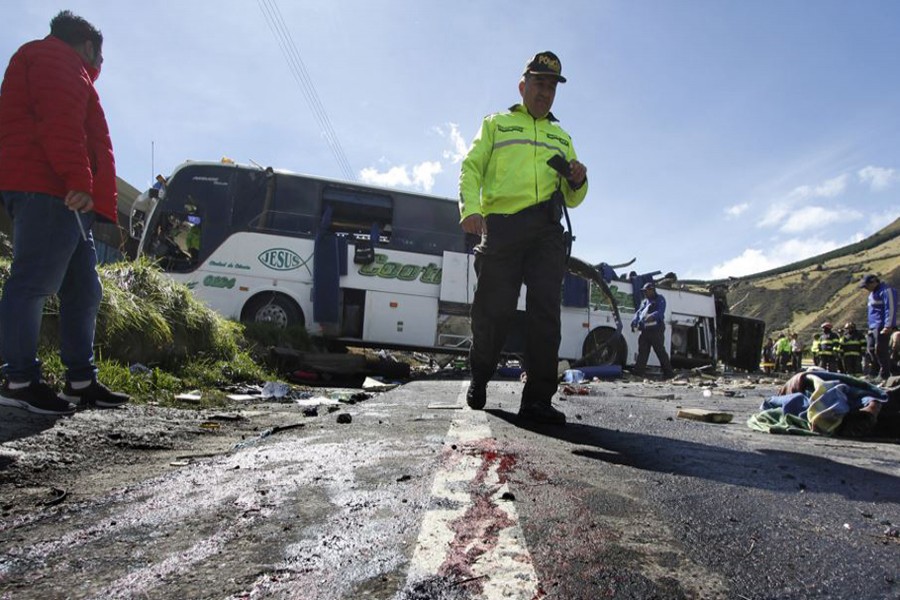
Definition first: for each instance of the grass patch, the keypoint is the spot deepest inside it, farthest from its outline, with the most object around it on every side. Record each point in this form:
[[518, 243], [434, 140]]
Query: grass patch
[[154, 340]]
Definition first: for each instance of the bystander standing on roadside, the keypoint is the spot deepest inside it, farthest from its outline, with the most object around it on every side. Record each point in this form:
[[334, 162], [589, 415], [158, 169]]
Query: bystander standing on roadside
[[796, 352], [768, 355], [57, 175], [882, 320]]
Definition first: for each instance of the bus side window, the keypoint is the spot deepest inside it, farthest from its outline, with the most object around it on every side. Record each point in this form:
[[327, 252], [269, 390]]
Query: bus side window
[[279, 203], [250, 196], [355, 212]]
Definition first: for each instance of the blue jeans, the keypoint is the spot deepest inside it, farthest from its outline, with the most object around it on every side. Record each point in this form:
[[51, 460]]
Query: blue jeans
[[50, 256]]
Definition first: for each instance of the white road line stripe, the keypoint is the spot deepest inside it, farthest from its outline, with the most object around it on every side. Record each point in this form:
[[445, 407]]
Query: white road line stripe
[[470, 532]]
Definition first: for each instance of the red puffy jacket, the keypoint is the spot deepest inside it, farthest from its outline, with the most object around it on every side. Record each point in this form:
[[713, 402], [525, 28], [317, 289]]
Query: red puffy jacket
[[53, 133]]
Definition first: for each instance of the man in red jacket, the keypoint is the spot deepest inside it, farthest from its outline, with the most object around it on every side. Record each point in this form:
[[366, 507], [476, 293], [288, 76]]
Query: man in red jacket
[[57, 176]]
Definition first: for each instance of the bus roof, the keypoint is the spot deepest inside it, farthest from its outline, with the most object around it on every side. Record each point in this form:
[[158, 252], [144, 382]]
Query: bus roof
[[257, 167]]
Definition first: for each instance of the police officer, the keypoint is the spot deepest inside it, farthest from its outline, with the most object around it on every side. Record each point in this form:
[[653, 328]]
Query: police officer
[[650, 319], [512, 198]]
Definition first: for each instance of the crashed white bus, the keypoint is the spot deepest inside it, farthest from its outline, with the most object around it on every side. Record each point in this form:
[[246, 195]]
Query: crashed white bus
[[366, 266]]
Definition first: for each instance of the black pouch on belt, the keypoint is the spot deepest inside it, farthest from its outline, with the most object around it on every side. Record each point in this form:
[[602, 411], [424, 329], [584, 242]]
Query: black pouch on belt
[[555, 206]]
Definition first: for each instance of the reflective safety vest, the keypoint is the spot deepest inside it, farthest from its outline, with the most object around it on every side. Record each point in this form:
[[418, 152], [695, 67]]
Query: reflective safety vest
[[814, 347], [852, 345], [506, 168], [827, 344], [783, 346]]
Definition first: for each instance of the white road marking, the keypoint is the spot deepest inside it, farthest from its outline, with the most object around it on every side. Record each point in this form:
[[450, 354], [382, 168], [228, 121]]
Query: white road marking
[[470, 532]]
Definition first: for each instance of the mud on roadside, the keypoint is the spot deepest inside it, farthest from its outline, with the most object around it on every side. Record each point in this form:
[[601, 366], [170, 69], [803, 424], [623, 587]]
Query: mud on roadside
[[46, 461]]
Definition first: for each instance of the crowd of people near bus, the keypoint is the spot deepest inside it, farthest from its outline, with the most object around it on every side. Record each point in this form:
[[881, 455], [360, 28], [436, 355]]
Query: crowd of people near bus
[[845, 350], [874, 353]]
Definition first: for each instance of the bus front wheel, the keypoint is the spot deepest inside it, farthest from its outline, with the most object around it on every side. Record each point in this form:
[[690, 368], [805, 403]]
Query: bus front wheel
[[276, 309]]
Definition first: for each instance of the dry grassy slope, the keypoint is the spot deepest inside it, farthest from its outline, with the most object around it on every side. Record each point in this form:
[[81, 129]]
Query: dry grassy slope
[[800, 297]]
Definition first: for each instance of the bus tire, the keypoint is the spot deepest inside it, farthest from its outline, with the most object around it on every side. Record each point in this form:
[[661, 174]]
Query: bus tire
[[599, 348], [272, 307]]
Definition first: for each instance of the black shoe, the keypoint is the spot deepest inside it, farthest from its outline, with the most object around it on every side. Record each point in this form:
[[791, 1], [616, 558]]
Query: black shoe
[[476, 396], [545, 414], [96, 394], [38, 397]]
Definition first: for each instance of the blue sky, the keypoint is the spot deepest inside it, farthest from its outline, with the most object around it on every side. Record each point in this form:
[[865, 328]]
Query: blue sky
[[721, 137]]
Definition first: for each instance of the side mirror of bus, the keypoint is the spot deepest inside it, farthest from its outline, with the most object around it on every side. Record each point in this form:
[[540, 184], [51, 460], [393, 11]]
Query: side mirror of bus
[[136, 226]]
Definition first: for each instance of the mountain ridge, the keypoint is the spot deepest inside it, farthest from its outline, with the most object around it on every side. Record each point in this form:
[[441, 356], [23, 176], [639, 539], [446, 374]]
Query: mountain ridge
[[800, 296]]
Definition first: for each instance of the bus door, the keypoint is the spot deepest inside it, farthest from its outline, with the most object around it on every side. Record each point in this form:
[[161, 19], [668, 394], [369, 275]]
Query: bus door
[[741, 341], [457, 290]]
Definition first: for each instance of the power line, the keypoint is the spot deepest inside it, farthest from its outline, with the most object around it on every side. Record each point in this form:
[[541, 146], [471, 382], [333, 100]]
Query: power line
[[301, 76], [279, 29]]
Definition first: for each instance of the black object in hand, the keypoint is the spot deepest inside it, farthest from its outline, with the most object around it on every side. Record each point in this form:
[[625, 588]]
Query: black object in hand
[[560, 165]]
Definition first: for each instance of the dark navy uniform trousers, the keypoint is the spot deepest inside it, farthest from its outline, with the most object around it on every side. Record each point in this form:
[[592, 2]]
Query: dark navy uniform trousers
[[526, 247]]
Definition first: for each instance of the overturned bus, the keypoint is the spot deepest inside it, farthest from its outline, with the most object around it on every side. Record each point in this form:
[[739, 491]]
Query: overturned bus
[[368, 266]]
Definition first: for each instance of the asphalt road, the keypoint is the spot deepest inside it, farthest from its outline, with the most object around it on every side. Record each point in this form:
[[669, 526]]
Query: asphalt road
[[419, 498]]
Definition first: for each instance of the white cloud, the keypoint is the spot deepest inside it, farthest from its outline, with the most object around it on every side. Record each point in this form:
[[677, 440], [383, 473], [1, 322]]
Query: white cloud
[[817, 217], [737, 210], [420, 177], [423, 174], [458, 152], [755, 260], [780, 212], [393, 177], [775, 214], [878, 178], [827, 189], [750, 261]]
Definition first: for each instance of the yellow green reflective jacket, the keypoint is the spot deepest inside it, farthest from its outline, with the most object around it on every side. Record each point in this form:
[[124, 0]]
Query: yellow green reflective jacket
[[506, 168]]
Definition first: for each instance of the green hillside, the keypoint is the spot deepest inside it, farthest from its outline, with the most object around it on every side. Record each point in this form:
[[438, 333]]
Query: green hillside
[[801, 296]]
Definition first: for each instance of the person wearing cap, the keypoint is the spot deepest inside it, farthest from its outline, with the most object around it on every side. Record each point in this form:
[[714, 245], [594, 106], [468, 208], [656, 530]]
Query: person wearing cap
[[512, 199], [650, 319], [882, 316]]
